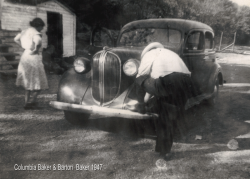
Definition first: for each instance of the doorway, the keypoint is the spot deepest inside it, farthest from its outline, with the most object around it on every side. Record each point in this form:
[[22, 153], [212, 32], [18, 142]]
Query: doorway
[[55, 32]]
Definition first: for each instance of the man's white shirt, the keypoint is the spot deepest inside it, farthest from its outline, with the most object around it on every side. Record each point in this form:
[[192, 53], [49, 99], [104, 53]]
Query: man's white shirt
[[161, 62]]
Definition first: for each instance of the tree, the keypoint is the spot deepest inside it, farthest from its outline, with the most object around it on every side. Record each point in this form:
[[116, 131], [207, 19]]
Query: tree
[[243, 26], [222, 15]]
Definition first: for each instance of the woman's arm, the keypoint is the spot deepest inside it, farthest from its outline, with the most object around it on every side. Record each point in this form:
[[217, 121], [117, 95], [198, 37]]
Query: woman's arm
[[37, 43], [17, 39]]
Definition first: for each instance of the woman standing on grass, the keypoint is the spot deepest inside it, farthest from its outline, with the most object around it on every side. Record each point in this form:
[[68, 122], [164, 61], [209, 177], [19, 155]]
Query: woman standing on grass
[[31, 74]]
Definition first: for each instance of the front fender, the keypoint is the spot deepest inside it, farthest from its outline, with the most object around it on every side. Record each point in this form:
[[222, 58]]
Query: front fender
[[73, 86]]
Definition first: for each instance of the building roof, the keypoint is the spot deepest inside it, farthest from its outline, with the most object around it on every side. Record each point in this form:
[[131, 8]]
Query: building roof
[[64, 6], [39, 2]]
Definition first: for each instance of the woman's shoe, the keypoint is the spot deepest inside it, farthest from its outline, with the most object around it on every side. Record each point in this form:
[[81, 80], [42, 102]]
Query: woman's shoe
[[28, 106], [34, 105], [31, 105]]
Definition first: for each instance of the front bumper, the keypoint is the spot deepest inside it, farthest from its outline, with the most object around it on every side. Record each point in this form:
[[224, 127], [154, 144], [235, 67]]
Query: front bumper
[[103, 111]]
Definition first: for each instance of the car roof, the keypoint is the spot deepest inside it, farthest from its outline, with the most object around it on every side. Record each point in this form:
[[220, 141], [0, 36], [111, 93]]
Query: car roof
[[181, 24]]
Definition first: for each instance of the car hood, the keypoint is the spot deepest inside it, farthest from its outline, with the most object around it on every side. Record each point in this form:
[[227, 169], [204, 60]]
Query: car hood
[[126, 53]]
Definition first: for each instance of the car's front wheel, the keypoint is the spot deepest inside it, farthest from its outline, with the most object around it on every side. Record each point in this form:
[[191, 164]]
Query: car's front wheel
[[76, 118], [214, 98]]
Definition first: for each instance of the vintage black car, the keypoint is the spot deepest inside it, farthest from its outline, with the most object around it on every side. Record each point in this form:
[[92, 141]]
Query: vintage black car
[[104, 83]]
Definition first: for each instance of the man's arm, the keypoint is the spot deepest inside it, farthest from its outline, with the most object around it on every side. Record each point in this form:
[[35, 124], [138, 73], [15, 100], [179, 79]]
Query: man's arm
[[146, 65], [153, 86]]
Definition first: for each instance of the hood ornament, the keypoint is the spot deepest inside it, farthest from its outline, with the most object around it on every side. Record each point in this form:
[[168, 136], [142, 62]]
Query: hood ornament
[[106, 48]]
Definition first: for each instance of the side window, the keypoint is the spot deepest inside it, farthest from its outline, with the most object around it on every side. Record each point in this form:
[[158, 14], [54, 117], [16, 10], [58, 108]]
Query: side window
[[208, 40], [101, 39], [195, 41]]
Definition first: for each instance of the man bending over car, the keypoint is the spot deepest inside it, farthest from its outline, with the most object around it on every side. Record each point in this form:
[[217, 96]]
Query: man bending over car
[[162, 73]]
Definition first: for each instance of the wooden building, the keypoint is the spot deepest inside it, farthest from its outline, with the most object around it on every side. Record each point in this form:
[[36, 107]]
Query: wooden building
[[60, 24]]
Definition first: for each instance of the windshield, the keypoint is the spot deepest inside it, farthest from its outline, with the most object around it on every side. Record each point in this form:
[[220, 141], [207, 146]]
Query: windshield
[[142, 37]]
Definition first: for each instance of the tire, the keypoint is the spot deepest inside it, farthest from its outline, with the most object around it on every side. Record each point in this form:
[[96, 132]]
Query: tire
[[215, 96], [76, 118]]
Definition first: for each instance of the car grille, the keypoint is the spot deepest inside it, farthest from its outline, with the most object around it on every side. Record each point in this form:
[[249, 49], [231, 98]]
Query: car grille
[[106, 76]]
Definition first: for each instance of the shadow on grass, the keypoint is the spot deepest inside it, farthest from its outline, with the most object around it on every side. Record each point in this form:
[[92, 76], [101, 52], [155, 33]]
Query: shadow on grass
[[216, 124]]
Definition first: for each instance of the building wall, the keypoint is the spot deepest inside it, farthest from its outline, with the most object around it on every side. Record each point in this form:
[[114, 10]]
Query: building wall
[[0, 10], [16, 17], [7, 37]]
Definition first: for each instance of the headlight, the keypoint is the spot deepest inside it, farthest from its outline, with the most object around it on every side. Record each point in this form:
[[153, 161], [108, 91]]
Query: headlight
[[82, 65], [130, 67]]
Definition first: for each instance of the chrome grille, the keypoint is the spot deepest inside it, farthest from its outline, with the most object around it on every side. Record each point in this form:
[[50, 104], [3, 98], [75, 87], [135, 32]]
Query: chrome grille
[[106, 77]]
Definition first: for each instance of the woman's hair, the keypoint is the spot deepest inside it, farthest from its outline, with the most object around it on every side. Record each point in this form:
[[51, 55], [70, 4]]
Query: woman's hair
[[37, 22]]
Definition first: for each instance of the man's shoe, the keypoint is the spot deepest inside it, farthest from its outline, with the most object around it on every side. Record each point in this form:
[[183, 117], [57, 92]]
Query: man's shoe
[[166, 156]]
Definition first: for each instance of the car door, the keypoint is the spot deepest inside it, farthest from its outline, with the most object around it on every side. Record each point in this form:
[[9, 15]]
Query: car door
[[209, 61], [198, 54]]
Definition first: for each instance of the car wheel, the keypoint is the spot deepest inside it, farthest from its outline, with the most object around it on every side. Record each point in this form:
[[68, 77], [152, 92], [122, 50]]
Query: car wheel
[[214, 98], [76, 118]]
